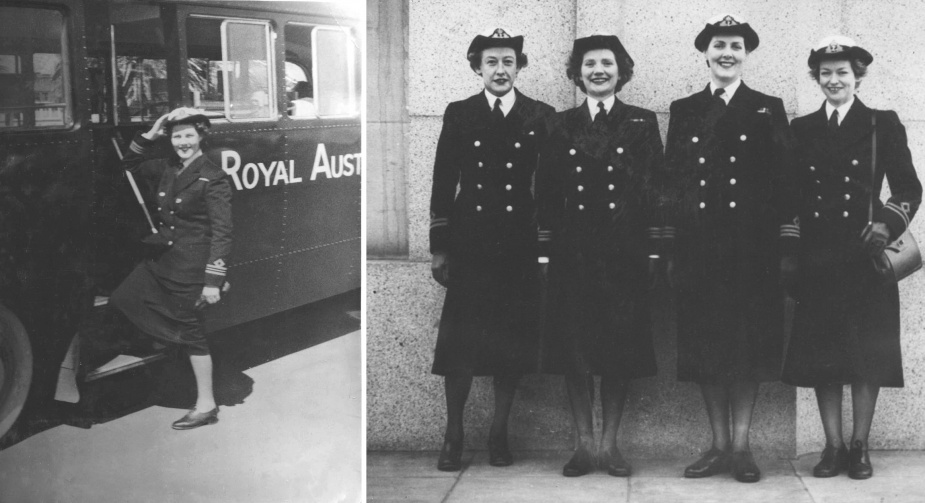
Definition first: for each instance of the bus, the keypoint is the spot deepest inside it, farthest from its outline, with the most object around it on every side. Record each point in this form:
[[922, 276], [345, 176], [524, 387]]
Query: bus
[[281, 84]]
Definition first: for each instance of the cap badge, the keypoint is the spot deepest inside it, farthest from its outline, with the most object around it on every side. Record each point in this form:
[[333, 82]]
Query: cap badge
[[499, 33], [728, 21], [833, 48]]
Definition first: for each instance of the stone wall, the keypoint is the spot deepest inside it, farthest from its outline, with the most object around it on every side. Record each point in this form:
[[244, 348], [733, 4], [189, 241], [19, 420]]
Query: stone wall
[[405, 403]]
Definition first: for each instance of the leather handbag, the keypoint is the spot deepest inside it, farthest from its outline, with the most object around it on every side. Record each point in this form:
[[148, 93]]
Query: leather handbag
[[902, 257]]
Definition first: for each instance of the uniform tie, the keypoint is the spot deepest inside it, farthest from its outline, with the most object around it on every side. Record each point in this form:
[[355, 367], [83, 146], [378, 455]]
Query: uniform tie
[[718, 94], [496, 112], [601, 113], [833, 121]]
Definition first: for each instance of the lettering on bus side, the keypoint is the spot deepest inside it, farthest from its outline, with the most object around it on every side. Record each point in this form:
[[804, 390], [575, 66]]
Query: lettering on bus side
[[265, 174]]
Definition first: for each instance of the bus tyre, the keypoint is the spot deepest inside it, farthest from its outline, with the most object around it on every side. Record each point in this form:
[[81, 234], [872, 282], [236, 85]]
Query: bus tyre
[[15, 368]]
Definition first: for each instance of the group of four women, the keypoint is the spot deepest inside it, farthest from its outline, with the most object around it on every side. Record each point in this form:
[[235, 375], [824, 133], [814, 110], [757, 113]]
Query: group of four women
[[737, 209]]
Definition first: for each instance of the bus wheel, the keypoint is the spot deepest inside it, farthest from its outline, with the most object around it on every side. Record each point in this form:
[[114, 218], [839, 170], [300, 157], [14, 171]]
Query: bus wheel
[[15, 368]]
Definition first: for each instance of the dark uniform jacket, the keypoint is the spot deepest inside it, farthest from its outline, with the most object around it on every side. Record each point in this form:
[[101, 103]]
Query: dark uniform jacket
[[847, 325], [730, 175], [599, 184], [195, 215], [598, 191], [834, 173], [493, 214]]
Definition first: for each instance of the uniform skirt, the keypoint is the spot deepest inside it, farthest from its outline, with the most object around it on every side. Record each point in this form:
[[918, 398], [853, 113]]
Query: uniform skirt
[[489, 320], [163, 309], [598, 317], [846, 325]]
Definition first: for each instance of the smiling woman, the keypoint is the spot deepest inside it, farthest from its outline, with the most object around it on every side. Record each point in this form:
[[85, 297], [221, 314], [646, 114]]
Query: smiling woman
[[730, 234]]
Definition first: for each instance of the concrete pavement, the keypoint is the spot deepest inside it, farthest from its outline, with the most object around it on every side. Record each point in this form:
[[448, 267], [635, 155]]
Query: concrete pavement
[[296, 438], [536, 477]]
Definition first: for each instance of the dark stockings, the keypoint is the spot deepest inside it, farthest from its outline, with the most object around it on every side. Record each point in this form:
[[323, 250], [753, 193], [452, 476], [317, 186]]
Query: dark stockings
[[457, 387], [580, 386], [864, 402], [719, 399]]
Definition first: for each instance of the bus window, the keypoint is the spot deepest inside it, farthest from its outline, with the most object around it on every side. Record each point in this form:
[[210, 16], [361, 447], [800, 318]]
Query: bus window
[[230, 68], [139, 63], [34, 73], [329, 90]]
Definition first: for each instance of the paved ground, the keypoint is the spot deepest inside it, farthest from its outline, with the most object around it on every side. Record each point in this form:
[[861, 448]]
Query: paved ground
[[535, 477], [289, 431]]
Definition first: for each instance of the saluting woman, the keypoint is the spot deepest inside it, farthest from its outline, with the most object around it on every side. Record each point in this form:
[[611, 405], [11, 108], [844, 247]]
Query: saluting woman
[[484, 241], [726, 155], [846, 326], [597, 197], [164, 297]]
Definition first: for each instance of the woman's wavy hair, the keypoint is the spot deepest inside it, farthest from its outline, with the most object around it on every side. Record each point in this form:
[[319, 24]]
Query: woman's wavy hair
[[475, 60], [624, 64], [857, 66]]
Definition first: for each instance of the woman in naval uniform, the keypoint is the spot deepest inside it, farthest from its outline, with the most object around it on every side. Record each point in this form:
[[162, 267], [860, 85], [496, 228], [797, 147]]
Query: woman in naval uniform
[[596, 192], [164, 296], [846, 326], [726, 157], [484, 241]]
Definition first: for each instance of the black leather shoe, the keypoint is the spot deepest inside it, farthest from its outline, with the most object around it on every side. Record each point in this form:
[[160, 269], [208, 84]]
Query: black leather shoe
[[582, 463], [711, 463], [194, 419], [834, 460], [450, 456], [859, 466], [499, 454], [613, 462], [744, 468]]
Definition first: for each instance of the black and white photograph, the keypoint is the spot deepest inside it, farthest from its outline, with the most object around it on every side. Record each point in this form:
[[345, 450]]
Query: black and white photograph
[[181, 251], [644, 251]]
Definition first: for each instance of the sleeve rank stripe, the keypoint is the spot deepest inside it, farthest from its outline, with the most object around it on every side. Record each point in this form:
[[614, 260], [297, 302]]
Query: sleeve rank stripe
[[136, 148], [896, 208]]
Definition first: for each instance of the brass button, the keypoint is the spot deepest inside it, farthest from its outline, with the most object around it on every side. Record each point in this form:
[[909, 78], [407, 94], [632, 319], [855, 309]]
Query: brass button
[[510, 209], [578, 169], [581, 206], [478, 208], [530, 133], [847, 179], [847, 197], [517, 145], [815, 214], [812, 168], [609, 168], [743, 137], [845, 214], [507, 187], [818, 198], [581, 188], [702, 160], [509, 165], [703, 205], [695, 139], [480, 164], [732, 181], [732, 204], [854, 162], [479, 186], [169, 243], [571, 152], [613, 205], [732, 159], [610, 187], [477, 143], [619, 150], [162, 194], [703, 183], [178, 201]]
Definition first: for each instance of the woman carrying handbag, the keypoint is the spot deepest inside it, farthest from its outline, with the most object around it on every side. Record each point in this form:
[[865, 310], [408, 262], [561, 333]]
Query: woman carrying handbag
[[846, 325]]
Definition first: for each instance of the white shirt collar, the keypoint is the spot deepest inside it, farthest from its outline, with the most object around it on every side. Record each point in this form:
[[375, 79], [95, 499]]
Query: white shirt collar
[[729, 91], [608, 105], [507, 101], [842, 110]]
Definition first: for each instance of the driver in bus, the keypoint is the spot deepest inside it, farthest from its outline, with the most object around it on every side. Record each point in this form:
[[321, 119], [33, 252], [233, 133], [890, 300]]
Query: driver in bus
[[165, 296]]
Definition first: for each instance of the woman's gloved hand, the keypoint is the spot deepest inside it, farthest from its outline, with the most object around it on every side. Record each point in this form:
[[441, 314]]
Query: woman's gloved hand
[[875, 238], [440, 268]]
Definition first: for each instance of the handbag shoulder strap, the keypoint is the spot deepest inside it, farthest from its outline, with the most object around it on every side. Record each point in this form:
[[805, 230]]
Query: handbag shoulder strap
[[873, 165]]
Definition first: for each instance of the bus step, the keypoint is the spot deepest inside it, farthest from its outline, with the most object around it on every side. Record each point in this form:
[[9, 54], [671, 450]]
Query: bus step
[[122, 363]]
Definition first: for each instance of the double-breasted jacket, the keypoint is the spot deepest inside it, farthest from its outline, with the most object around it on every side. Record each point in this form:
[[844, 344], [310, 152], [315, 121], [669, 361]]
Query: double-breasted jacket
[[194, 210], [493, 213], [846, 326], [730, 222], [598, 191]]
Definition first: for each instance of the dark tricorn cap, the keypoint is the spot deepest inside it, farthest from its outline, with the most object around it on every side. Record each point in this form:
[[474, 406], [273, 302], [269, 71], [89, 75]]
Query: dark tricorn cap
[[495, 38], [838, 47], [726, 24], [599, 41], [187, 115]]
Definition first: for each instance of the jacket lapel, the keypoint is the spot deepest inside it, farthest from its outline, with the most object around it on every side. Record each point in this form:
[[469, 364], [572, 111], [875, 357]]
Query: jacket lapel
[[856, 125], [189, 175]]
